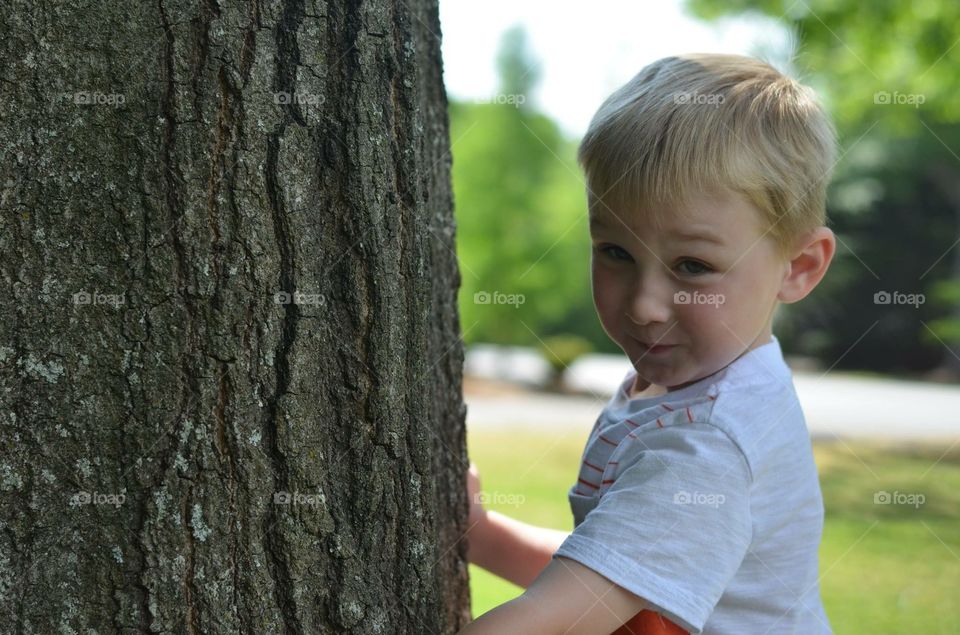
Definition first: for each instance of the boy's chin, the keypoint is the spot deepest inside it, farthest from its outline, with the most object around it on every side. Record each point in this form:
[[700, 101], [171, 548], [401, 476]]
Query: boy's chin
[[667, 381]]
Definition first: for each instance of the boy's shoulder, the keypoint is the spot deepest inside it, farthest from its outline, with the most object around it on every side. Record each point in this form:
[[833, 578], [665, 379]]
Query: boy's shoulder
[[761, 415], [756, 405]]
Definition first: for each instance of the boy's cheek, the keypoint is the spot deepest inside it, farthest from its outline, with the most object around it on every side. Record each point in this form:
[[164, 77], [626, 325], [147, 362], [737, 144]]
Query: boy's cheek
[[601, 292], [606, 303]]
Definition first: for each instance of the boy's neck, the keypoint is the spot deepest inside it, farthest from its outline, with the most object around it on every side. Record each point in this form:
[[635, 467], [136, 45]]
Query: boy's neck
[[639, 391]]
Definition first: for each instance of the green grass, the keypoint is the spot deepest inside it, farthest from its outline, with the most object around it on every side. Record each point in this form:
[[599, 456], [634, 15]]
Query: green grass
[[891, 568]]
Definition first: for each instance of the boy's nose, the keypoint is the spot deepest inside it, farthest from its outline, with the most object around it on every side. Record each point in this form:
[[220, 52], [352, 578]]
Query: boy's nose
[[652, 301]]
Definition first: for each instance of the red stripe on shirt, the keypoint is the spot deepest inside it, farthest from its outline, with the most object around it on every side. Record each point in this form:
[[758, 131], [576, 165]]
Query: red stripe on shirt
[[667, 407], [580, 480], [593, 466]]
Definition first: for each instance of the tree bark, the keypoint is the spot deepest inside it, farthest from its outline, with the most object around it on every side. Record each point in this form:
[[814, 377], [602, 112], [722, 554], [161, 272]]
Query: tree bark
[[230, 362]]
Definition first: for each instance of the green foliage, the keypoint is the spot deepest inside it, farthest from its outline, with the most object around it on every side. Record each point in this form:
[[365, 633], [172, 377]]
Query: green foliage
[[522, 237], [519, 70], [854, 50]]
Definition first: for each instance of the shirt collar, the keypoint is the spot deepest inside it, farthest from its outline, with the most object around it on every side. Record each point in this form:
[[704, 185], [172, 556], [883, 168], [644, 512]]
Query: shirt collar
[[766, 360]]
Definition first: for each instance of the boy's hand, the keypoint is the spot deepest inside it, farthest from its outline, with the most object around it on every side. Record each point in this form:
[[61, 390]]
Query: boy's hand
[[478, 515]]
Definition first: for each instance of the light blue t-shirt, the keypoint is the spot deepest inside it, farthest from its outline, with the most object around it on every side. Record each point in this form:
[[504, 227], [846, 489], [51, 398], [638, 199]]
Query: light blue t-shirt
[[705, 501]]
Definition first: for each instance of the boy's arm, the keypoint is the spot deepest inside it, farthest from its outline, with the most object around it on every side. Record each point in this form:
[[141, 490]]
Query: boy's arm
[[512, 549], [506, 547], [566, 598]]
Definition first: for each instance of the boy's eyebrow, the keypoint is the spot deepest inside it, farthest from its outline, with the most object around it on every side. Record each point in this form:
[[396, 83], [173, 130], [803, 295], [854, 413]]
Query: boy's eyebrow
[[596, 221], [599, 221], [704, 236]]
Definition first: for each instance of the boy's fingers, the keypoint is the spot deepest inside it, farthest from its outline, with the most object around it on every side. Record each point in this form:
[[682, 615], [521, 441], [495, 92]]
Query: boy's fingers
[[473, 483], [473, 472]]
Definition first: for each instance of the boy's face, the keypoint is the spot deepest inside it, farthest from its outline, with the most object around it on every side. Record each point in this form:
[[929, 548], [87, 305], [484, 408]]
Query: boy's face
[[709, 301]]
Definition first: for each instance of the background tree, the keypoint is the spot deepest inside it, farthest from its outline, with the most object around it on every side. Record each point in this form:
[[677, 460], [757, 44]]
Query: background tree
[[229, 346], [521, 215]]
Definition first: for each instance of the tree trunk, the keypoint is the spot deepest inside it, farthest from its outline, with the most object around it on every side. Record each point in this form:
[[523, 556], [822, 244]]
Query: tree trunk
[[229, 342]]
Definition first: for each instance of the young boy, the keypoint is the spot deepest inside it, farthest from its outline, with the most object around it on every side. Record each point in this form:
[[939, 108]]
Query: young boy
[[697, 499]]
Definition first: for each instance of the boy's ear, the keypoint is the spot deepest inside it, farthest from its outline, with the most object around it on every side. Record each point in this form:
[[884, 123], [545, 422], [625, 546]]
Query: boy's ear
[[808, 265]]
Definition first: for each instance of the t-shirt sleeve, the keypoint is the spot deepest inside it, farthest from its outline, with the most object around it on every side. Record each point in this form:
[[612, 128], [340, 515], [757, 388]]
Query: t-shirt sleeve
[[675, 524]]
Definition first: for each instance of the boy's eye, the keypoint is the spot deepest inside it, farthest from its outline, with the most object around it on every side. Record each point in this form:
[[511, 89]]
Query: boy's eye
[[698, 267], [613, 252]]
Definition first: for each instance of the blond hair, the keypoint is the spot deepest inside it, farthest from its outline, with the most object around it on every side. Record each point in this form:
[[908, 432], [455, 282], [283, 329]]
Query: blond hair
[[704, 121]]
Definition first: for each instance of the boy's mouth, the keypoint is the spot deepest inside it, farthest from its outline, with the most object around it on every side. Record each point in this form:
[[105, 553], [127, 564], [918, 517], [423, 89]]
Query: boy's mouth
[[658, 349]]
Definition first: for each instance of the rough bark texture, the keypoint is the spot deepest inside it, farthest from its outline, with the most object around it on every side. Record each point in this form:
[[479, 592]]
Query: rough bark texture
[[184, 450]]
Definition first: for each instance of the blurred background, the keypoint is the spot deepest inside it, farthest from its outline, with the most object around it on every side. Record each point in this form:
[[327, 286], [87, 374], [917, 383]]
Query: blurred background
[[522, 94], [875, 348]]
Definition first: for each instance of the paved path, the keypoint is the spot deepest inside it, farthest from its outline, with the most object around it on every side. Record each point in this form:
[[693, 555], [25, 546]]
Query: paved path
[[834, 405]]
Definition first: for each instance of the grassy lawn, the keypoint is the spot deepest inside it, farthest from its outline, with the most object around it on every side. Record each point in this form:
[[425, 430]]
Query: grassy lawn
[[885, 568]]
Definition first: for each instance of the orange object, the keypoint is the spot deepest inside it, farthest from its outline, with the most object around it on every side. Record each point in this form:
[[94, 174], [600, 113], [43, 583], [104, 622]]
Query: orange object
[[649, 623]]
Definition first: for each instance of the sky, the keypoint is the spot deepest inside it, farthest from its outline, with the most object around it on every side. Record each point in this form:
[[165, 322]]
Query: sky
[[586, 50]]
